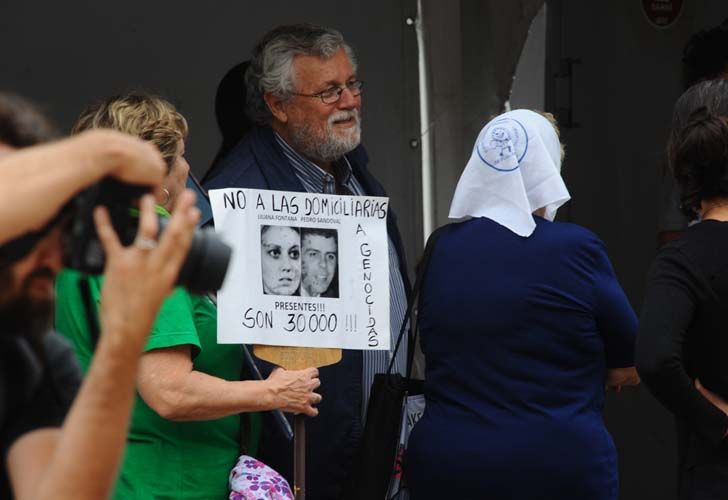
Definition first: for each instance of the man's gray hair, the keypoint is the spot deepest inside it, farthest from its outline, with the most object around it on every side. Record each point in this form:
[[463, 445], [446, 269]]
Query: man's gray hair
[[271, 69]]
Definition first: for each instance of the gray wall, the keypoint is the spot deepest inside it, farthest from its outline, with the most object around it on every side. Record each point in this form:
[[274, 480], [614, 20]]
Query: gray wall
[[529, 86], [625, 85], [473, 48], [67, 54]]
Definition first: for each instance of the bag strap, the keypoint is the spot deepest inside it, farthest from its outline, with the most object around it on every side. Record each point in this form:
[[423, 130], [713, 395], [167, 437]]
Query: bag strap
[[92, 320], [421, 269]]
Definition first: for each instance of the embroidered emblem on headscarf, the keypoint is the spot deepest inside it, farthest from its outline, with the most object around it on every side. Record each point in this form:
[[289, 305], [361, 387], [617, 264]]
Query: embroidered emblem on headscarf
[[503, 145]]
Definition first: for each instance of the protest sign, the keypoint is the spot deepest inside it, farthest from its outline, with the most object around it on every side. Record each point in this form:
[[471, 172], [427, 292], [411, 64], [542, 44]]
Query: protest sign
[[308, 270]]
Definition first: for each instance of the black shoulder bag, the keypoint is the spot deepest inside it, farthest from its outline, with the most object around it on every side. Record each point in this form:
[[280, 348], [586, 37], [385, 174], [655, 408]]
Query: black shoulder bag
[[375, 461]]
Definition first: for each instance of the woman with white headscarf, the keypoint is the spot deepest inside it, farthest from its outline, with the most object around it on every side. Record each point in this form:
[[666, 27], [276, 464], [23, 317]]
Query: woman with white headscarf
[[522, 324]]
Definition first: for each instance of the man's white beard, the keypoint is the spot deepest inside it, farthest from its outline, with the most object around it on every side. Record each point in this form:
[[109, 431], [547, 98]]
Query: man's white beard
[[331, 146]]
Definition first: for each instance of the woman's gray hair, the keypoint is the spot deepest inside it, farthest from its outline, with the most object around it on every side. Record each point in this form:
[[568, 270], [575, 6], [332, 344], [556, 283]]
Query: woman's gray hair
[[271, 69]]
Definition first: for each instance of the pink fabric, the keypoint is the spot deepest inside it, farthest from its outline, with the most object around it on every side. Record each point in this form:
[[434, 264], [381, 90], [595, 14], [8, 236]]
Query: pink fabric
[[251, 479]]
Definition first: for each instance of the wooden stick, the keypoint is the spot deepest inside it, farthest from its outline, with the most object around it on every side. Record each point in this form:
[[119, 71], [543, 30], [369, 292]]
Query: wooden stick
[[299, 457], [298, 358]]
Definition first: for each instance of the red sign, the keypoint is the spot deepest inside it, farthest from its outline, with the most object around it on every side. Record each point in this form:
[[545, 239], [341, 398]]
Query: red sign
[[662, 13]]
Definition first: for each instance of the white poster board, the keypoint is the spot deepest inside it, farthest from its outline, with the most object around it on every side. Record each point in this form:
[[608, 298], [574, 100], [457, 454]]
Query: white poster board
[[308, 270]]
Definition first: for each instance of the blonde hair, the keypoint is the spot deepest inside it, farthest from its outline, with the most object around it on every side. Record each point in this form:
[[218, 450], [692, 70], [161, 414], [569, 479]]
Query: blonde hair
[[146, 116], [552, 120]]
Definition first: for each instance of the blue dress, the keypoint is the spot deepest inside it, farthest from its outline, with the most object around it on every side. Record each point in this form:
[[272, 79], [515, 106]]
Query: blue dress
[[518, 334]]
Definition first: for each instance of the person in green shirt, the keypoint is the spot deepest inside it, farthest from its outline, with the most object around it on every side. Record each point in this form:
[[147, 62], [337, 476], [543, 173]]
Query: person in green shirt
[[185, 430]]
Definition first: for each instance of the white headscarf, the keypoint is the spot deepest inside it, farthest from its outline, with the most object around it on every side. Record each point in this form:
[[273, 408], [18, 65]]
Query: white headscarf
[[514, 170]]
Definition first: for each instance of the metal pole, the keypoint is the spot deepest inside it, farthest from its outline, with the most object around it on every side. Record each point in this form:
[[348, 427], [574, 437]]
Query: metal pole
[[429, 221]]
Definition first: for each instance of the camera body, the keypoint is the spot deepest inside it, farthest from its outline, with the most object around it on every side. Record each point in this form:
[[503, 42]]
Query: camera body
[[204, 266]]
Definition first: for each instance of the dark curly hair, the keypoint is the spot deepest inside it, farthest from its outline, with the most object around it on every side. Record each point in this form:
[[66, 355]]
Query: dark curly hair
[[698, 145], [22, 124], [706, 55]]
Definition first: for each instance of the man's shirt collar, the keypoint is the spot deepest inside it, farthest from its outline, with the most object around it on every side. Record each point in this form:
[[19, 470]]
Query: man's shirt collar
[[314, 178]]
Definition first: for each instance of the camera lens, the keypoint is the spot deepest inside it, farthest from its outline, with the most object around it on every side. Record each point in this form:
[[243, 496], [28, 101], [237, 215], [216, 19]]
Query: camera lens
[[206, 263], [204, 267]]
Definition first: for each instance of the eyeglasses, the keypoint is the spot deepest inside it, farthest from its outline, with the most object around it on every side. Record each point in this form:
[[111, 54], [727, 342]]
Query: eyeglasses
[[332, 95]]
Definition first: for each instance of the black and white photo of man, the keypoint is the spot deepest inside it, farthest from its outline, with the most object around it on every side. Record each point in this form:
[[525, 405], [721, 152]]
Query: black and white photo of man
[[319, 262]]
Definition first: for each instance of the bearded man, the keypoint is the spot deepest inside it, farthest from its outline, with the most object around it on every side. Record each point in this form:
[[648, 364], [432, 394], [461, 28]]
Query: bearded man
[[28, 266], [52, 445], [305, 99]]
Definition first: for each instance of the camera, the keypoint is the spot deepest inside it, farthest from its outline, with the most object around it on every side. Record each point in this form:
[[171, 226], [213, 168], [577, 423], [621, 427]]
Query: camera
[[206, 262]]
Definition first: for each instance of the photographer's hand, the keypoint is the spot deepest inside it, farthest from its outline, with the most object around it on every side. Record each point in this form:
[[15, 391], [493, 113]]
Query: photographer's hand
[[124, 157], [35, 182], [138, 278]]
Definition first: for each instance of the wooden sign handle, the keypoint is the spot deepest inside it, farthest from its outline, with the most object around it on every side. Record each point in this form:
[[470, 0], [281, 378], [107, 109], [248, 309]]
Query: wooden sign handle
[[298, 358], [299, 457]]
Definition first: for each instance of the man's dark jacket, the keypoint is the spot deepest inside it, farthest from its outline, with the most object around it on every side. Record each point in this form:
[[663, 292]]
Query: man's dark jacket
[[37, 388], [331, 438]]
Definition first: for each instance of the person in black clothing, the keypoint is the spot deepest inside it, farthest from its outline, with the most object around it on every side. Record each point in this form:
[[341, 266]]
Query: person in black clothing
[[705, 57], [682, 342], [39, 376], [230, 110]]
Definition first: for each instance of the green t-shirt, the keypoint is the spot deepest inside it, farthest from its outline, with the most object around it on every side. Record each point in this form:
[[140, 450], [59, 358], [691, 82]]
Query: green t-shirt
[[166, 459]]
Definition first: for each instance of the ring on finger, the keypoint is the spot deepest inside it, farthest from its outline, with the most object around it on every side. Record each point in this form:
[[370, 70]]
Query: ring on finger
[[144, 243]]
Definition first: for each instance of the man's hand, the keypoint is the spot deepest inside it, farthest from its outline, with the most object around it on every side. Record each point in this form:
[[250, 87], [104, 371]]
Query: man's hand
[[35, 182], [293, 390], [124, 157], [140, 276]]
